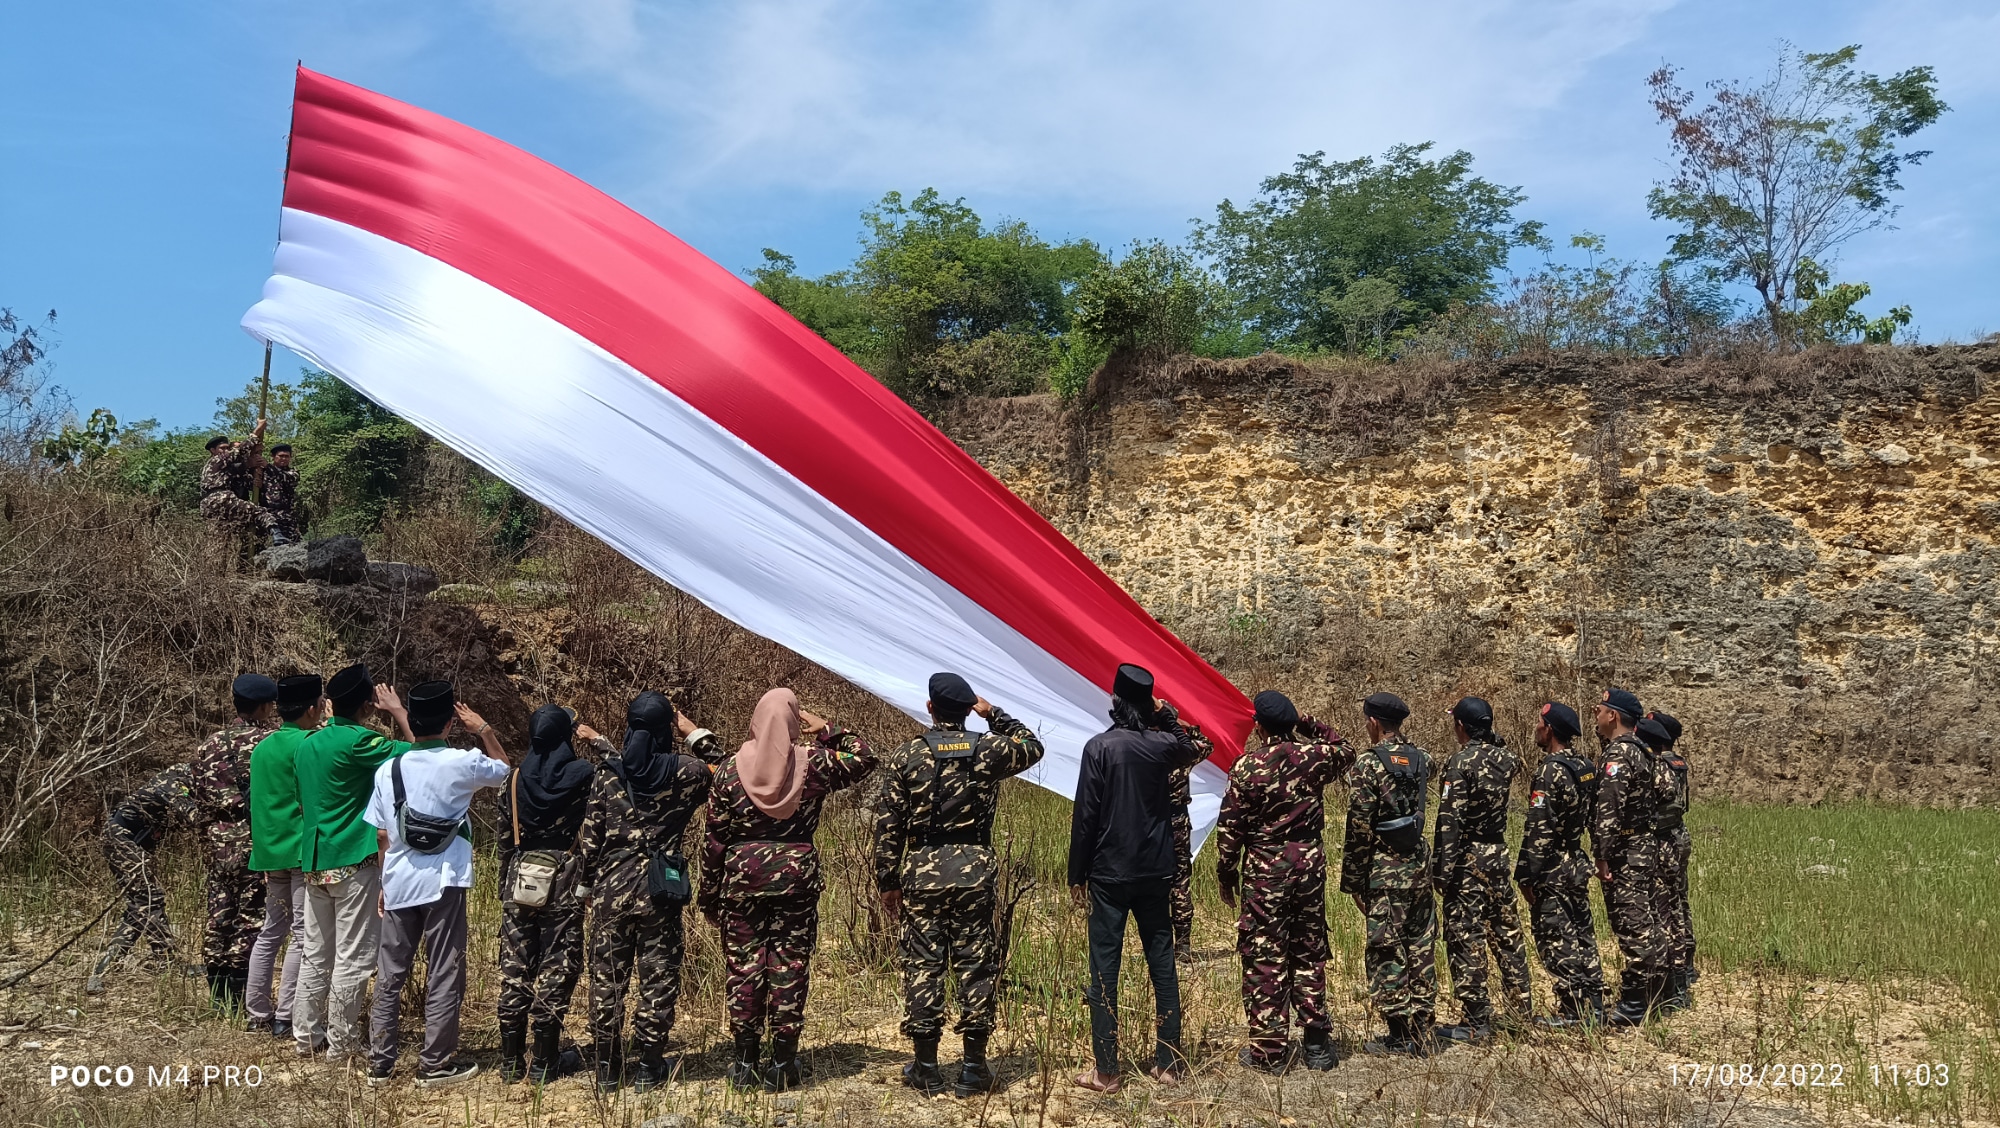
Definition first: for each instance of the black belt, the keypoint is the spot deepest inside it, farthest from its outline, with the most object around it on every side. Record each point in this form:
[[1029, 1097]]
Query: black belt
[[953, 838], [1484, 840]]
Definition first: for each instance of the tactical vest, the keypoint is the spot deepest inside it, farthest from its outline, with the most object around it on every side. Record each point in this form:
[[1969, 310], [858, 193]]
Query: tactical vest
[[1583, 777], [951, 752], [1409, 773], [1670, 785]]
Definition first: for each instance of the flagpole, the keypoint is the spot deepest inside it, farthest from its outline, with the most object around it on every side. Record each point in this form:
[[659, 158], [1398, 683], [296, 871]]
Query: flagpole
[[264, 392]]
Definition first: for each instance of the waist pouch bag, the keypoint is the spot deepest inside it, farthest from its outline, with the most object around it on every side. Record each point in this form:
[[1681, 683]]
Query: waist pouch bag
[[667, 878], [426, 834], [1405, 836], [536, 873], [929, 869], [770, 869]]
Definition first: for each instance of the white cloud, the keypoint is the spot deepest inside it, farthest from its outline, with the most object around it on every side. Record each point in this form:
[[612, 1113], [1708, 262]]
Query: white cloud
[[1152, 104]]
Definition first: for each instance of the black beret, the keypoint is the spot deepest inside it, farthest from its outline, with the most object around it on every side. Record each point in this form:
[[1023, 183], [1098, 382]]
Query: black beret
[[431, 700], [1668, 723], [254, 688], [1385, 707], [1276, 712], [1655, 735], [282, 448], [1135, 685], [1625, 702], [1473, 712], [300, 692], [950, 689], [349, 682], [1562, 720], [216, 442]]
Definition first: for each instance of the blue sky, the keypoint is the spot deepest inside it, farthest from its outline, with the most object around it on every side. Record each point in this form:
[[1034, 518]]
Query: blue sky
[[143, 143]]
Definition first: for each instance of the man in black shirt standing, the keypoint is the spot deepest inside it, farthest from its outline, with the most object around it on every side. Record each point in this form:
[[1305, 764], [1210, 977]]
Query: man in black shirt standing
[[1121, 862]]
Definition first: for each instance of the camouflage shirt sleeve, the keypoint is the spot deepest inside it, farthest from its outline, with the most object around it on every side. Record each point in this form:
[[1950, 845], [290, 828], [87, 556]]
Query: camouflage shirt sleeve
[[1327, 756], [891, 820], [715, 842], [1452, 796], [1014, 747], [590, 837], [1231, 827], [1358, 842], [842, 760], [1623, 763], [1539, 833]]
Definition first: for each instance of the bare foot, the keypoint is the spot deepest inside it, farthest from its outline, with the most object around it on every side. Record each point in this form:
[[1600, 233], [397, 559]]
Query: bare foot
[[1098, 1082], [1163, 1077]]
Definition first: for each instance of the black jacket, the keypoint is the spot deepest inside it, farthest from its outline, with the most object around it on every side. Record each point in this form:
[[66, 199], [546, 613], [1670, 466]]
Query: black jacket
[[1119, 830]]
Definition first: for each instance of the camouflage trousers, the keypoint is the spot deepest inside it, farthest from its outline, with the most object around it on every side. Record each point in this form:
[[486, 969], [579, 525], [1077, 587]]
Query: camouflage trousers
[[767, 947], [1479, 914], [1181, 906], [651, 944], [235, 916], [949, 929], [541, 956], [1632, 901], [1675, 912], [1566, 939], [145, 902], [1281, 937], [1401, 951], [233, 516]]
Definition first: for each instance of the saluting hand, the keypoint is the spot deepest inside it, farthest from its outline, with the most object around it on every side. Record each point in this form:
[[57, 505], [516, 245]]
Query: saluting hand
[[684, 724], [586, 733], [983, 707], [812, 722]]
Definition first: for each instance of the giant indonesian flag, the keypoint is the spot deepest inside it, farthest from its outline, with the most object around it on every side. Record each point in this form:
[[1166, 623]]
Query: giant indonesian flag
[[609, 371]]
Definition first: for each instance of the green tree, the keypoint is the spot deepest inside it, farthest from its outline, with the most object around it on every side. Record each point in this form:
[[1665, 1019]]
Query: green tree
[[938, 302], [1428, 228], [236, 415], [356, 460], [1773, 174], [1828, 315]]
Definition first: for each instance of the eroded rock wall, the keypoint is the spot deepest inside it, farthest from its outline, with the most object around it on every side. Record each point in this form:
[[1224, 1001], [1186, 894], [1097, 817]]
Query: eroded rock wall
[[1795, 556]]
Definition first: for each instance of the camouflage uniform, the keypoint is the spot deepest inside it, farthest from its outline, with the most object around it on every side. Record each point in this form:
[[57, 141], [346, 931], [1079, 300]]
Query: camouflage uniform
[[760, 877], [1472, 872], [1389, 782], [1622, 838], [220, 786], [541, 948], [1673, 909], [131, 834], [1555, 870], [1270, 838], [281, 497], [933, 841], [226, 480], [629, 928], [1181, 795]]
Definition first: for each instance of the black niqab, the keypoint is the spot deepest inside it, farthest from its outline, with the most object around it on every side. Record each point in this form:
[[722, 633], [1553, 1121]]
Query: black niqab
[[554, 782], [648, 758]]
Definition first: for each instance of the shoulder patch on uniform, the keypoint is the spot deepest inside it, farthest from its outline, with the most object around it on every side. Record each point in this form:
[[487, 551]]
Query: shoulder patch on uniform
[[1585, 777], [1538, 799], [1402, 760], [1611, 769]]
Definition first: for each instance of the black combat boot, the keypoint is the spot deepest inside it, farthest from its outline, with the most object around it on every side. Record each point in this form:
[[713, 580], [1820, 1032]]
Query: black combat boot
[[744, 1072], [974, 1075], [1679, 992], [218, 987], [1477, 1027], [513, 1052], [1633, 995], [1318, 1051], [786, 1071], [1388, 1043], [1420, 1032], [1566, 1014], [551, 1060], [922, 1072], [653, 1069], [610, 1066]]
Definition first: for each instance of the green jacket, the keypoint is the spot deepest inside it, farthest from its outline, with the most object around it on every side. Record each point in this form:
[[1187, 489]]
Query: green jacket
[[274, 800], [336, 768]]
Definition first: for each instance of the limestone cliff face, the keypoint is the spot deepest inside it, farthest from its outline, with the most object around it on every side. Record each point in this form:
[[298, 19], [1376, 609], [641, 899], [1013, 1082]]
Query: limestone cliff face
[[1796, 557]]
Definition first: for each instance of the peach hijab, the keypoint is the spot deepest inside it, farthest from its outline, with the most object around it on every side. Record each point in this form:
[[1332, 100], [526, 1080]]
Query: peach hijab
[[772, 763]]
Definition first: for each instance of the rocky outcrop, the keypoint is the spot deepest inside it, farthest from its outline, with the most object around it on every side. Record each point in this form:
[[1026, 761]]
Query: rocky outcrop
[[1794, 555]]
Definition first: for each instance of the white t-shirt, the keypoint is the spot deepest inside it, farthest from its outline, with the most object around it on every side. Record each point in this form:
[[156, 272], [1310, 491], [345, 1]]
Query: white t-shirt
[[441, 781]]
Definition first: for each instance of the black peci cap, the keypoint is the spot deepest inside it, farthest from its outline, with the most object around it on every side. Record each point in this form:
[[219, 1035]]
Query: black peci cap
[[1562, 720], [349, 682], [1134, 685], [1625, 703], [1276, 712], [1667, 722], [1385, 707], [431, 702], [254, 689], [1474, 713], [301, 692], [950, 689]]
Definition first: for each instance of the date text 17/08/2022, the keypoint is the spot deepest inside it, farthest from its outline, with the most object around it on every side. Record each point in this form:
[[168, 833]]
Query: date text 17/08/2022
[[1807, 1075]]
